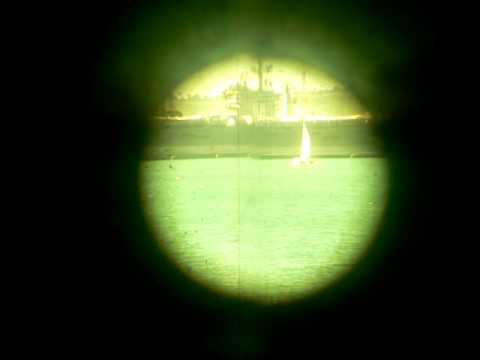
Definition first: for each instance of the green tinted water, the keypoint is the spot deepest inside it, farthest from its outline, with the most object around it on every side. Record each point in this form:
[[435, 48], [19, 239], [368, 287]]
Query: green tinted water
[[263, 228]]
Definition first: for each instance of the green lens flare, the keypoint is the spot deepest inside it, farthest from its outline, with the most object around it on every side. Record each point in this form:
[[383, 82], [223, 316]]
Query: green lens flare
[[233, 209]]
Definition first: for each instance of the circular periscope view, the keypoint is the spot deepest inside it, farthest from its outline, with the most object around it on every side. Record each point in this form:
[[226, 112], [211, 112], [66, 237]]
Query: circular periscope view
[[263, 179]]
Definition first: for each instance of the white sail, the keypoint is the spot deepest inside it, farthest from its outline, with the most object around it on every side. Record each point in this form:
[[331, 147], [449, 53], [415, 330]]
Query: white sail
[[306, 145], [304, 158]]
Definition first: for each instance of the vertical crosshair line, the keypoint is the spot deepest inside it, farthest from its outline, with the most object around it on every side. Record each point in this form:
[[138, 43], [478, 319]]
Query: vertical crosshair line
[[238, 199], [237, 133]]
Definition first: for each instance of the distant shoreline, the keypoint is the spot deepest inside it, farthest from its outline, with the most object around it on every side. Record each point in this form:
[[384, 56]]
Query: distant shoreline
[[256, 156]]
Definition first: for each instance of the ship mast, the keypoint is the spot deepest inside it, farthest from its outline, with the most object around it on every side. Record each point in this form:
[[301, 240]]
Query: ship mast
[[260, 74]]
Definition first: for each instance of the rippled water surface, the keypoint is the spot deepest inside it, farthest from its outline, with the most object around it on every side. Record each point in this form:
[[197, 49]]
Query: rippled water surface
[[264, 228]]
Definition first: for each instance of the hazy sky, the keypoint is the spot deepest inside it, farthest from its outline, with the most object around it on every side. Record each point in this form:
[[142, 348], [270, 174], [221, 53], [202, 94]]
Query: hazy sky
[[214, 79]]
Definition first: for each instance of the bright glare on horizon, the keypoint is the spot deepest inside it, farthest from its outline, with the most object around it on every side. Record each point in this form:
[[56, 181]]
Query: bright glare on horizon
[[312, 93], [213, 80]]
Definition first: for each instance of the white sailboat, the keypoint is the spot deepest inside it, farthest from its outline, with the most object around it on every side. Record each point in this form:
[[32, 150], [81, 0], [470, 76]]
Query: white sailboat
[[305, 150]]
